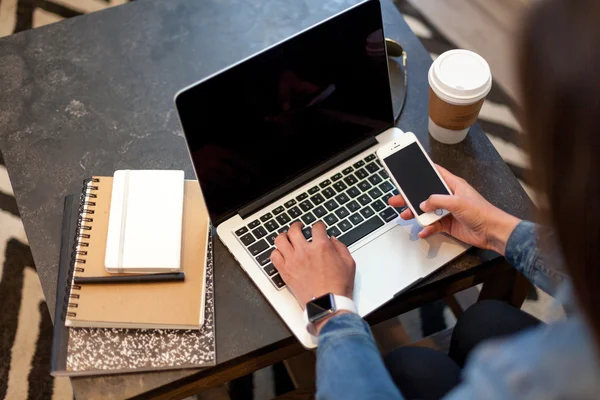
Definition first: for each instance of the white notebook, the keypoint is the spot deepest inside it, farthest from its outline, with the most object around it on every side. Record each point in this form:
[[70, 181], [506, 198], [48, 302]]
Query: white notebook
[[145, 222]]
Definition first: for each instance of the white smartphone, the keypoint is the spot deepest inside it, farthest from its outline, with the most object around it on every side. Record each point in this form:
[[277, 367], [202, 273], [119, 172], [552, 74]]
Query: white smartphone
[[414, 174]]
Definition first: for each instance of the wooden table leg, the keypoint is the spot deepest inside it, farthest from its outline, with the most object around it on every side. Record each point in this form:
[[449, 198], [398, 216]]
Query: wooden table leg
[[510, 286]]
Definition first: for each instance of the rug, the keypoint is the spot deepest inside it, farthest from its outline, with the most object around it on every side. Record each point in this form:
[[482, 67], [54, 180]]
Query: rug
[[26, 328]]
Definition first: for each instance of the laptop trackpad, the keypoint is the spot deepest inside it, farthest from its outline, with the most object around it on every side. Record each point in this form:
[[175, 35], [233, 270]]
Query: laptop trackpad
[[387, 265]]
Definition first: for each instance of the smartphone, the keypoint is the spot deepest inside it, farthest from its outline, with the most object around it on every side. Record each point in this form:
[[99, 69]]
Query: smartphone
[[414, 174]]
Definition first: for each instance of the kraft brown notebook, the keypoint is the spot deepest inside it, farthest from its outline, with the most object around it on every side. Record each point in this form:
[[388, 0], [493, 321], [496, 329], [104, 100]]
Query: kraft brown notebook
[[168, 305]]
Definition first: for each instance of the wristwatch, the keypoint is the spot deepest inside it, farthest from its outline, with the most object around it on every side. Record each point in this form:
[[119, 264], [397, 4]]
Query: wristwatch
[[322, 307]]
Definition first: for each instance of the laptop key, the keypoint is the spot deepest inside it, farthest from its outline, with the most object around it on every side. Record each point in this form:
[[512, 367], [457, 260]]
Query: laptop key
[[278, 210], [258, 247], [278, 281], [254, 224], [325, 183], [364, 199], [375, 180], [330, 219], [342, 212], [350, 180], [340, 186], [356, 218], [331, 205], [283, 229], [386, 197], [241, 231], [271, 238], [361, 173], [388, 214], [259, 232], [270, 269], [320, 211], [344, 225], [317, 199], [342, 198], [333, 231], [364, 186], [283, 219], [313, 190], [353, 192], [361, 231], [347, 170], [328, 192], [358, 164], [265, 258], [386, 187], [370, 157], [271, 225], [247, 239], [372, 168], [306, 205], [384, 174], [395, 192], [336, 177], [353, 206], [375, 193], [301, 197], [290, 203], [266, 217], [309, 218], [294, 212], [307, 232], [378, 205], [367, 212]]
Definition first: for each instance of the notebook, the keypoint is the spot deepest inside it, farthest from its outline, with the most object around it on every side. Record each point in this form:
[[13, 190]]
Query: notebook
[[145, 221], [103, 351], [167, 305]]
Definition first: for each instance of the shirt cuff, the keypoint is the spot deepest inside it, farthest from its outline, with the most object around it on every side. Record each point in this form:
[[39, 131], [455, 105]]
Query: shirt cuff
[[521, 246]]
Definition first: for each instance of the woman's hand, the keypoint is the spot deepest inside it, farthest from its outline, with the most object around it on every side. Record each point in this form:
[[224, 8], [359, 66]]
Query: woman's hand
[[312, 269], [473, 219]]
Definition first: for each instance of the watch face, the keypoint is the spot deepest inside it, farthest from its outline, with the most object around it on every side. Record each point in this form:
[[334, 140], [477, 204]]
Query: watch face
[[320, 307]]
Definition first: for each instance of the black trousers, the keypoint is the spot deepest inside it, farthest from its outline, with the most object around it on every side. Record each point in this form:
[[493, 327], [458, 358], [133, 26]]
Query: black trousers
[[422, 373]]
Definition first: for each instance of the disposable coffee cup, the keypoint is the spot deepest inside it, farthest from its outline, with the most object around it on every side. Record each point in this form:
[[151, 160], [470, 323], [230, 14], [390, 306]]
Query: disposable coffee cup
[[459, 80]]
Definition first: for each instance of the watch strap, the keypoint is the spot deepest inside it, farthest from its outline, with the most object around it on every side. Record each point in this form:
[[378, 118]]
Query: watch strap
[[342, 303]]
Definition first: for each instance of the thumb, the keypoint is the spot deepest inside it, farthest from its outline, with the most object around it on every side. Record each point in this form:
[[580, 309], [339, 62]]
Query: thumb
[[446, 202], [342, 250]]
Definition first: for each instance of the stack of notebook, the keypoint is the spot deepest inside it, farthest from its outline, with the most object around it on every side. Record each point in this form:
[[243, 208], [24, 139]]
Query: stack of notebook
[[114, 327]]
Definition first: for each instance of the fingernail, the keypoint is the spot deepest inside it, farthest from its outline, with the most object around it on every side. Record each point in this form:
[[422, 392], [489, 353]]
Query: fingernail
[[333, 237], [422, 206]]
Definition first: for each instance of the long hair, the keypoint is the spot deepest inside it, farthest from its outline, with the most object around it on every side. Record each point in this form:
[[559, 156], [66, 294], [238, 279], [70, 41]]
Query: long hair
[[559, 72]]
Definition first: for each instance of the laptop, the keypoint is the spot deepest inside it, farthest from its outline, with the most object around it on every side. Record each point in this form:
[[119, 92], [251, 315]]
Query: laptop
[[290, 134]]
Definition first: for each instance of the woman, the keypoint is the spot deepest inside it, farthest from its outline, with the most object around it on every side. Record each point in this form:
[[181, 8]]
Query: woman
[[560, 78]]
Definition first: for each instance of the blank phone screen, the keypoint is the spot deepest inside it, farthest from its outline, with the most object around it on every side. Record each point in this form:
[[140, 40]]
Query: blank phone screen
[[415, 175]]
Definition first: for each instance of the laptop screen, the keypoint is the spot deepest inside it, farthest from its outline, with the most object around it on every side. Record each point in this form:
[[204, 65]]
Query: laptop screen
[[275, 116]]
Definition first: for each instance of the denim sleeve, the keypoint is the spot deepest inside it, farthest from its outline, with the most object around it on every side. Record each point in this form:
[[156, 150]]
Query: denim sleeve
[[349, 364], [523, 252]]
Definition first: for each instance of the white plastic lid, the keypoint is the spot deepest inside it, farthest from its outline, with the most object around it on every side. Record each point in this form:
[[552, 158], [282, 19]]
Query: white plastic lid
[[460, 77]]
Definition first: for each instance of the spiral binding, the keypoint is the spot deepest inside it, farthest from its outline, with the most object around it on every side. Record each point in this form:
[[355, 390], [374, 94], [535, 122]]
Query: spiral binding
[[83, 216]]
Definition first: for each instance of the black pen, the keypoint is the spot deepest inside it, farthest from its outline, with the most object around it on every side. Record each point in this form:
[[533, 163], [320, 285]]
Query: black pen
[[148, 278]]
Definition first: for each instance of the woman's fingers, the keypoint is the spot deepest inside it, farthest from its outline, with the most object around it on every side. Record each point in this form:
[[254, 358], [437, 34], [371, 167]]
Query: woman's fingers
[[397, 201], [295, 234], [342, 251], [442, 201], [283, 244], [432, 229], [407, 215]]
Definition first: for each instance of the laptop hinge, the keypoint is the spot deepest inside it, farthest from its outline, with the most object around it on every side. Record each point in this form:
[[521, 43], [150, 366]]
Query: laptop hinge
[[306, 177]]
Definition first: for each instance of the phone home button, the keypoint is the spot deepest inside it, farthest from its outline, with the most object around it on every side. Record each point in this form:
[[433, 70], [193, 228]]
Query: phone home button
[[438, 212]]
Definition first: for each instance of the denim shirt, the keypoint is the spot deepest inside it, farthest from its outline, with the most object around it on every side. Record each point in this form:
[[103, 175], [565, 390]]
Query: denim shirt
[[556, 361]]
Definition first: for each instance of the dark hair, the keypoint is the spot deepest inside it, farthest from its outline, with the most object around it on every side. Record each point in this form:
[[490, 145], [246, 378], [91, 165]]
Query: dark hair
[[559, 73]]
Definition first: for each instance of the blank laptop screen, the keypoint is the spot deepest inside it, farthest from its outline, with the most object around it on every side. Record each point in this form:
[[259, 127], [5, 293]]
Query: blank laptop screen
[[275, 116]]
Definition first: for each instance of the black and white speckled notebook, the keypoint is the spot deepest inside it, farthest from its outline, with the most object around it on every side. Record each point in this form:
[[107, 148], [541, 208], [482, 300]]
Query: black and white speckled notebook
[[103, 351]]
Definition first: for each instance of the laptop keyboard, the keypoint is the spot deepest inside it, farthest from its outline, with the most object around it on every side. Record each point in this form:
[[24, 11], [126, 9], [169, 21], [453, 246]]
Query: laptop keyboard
[[352, 204]]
